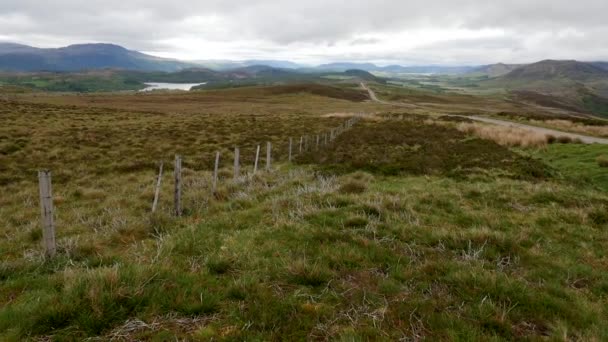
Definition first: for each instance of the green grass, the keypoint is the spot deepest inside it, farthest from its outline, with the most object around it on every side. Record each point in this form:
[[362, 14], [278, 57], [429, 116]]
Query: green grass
[[578, 163], [425, 257]]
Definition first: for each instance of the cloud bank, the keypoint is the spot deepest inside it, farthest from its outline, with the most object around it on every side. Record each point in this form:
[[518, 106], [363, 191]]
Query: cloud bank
[[315, 31]]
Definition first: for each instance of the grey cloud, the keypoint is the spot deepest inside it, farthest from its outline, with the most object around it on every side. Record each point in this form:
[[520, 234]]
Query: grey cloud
[[279, 24]]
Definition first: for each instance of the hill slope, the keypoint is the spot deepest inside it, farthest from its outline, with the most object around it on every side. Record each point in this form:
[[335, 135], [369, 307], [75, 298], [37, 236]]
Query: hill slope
[[495, 70], [15, 57], [575, 85], [550, 70]]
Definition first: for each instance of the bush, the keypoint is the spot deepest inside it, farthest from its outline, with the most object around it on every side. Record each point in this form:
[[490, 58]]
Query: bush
[[353, 187], [602, 161], [564, 140]]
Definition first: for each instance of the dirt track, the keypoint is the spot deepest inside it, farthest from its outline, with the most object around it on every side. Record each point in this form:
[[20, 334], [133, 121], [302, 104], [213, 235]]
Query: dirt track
[[584, 138]]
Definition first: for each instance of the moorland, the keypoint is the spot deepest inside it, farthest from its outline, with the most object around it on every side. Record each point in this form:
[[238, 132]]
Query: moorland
[[411, 225]]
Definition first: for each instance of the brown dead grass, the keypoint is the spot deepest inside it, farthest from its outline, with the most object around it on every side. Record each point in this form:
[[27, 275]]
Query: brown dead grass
[[506, 136], [566, 125]]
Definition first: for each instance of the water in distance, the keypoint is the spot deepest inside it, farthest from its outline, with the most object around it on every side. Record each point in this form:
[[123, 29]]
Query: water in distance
[[170, 86]]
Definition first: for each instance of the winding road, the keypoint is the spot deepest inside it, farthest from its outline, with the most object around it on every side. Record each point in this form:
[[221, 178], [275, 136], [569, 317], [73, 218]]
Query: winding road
[[584, 138]]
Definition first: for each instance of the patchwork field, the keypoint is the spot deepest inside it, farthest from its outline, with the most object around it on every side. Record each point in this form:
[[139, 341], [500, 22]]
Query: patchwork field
[[404, 228]]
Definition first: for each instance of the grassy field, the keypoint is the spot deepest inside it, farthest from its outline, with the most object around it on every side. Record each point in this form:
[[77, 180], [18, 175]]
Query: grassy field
[[402, 229]]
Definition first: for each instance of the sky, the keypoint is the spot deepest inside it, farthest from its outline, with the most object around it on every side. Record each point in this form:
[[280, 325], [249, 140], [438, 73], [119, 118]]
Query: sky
[[446, 32]]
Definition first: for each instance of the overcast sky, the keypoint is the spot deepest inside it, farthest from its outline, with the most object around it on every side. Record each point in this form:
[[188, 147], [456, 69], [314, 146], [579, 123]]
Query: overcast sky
[[453, 32]]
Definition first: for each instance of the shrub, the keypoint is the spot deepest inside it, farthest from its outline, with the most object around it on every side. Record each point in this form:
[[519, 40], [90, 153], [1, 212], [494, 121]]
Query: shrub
[[353, 187], [564, 140], [602, 160]]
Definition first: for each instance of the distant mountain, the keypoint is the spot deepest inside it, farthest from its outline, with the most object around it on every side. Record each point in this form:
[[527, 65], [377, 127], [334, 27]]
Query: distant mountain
[[395, 69], [552, 70], [222, 65], [494, 70], [427, 69], [6, 48], [16, 57], [560, 84], [257, 71], [346, 66], [603, 65]]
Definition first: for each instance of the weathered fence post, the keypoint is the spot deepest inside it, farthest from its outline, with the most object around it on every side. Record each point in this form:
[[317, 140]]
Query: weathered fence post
[[290, 145], [46, 211], [157, 189], [268, 155], [317, 142], [177, 172], [257, 157], [301, 143], [215, 169], [237, 166], [325, 143], [306, 143]]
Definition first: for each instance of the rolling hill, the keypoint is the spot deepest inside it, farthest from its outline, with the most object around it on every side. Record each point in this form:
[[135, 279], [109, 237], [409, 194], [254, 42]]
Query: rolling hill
[[16, 57], [494, 70], [574, 85], [394, 69], [552, 70]]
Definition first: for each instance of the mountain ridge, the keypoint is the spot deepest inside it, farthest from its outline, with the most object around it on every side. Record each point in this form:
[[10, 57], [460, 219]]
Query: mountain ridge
[[78, 57]]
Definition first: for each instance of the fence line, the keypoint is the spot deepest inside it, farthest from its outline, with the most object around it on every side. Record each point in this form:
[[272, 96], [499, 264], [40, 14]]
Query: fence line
[[157, 190], [177, 172], [45, 188], [46, 211]]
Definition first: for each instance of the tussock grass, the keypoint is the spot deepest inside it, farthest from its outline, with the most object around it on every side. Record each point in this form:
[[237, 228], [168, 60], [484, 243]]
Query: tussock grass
[[602, 160], [576, 127], [506, 136]]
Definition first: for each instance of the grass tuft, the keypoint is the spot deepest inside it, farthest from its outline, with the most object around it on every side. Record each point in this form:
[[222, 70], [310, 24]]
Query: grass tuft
[[353, 187]]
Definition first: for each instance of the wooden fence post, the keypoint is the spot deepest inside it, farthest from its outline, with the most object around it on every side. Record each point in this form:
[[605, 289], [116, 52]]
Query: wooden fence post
[[268, 155], [306, 143], [177, 172], [157, 189], [237, 166], [46, 211], [257, 157], [325, 143], [301, 142], [215, 169], [317, 142], [290, 145]]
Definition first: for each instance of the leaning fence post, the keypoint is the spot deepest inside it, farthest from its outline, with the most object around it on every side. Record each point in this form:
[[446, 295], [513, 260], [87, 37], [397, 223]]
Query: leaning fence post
[[268, 155], [215, 169], [257, 157], [236, 162], [157, 189], [177, 172], [46, 211]]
